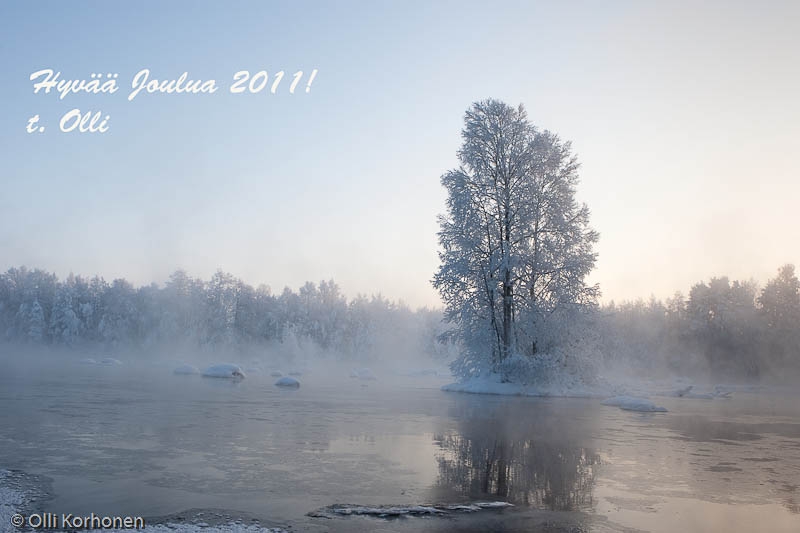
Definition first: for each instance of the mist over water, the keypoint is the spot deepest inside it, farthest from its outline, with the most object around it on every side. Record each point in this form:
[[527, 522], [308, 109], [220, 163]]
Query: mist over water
[[134, 438]]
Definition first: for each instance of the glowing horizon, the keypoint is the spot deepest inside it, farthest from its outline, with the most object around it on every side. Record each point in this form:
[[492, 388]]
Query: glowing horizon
[[683, 117]]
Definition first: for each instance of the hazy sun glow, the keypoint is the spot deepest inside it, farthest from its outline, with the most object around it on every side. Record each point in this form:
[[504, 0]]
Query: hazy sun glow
[[685, 119]]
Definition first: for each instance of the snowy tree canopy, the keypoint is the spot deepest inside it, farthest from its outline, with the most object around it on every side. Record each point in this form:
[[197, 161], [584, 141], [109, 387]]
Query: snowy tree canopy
[[224, 312], [515, 244], [724, 328]]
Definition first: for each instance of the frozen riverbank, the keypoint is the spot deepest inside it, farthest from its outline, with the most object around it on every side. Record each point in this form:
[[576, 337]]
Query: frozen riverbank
[[493, 384]]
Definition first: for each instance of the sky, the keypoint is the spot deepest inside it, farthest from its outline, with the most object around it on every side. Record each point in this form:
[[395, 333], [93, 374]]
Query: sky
[[684, 116]]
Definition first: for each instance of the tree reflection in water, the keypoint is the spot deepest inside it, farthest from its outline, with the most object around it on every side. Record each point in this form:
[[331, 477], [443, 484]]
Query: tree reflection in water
[[531, 462]]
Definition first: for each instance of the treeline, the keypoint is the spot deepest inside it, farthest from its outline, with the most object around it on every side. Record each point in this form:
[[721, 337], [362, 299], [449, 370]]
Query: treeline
[[722, 327], [224, 312]]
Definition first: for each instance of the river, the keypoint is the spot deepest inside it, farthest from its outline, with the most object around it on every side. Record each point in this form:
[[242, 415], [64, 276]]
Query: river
[[137, 440]]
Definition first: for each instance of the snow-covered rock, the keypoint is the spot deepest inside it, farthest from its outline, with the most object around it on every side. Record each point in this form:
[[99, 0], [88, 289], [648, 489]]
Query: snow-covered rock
[[225, 370], [287, 381], [186, 370], [633, 403]]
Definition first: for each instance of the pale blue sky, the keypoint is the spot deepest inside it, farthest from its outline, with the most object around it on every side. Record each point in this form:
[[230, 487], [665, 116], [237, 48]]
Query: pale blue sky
[[685, 118]]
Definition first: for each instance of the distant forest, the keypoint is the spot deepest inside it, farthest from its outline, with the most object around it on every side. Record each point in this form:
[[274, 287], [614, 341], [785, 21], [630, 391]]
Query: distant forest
[[222, 313], [722, 327]]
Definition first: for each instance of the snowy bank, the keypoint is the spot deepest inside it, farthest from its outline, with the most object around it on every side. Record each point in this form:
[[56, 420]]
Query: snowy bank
[[572, 386], [632, 403], [224, 371]]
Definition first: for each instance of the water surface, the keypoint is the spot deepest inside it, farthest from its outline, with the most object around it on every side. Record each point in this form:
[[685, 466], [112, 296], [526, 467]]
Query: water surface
[[137, 440]]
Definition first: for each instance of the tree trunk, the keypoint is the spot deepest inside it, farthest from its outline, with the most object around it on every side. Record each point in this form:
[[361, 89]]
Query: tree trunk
[[507, 299], [508, 291]]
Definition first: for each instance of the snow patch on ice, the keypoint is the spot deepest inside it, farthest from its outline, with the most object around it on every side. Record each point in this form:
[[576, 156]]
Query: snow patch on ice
[[276, 374], [88, 361], [632, 403], [110, 361], [224, 371]]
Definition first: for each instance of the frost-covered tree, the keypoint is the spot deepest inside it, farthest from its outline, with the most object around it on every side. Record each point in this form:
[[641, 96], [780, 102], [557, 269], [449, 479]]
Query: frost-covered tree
[[780, 300], [723, 322], [515, 244], [66, 325], [183, 308], [31, 317], [222, 297], [779, 303], [120, 316]]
